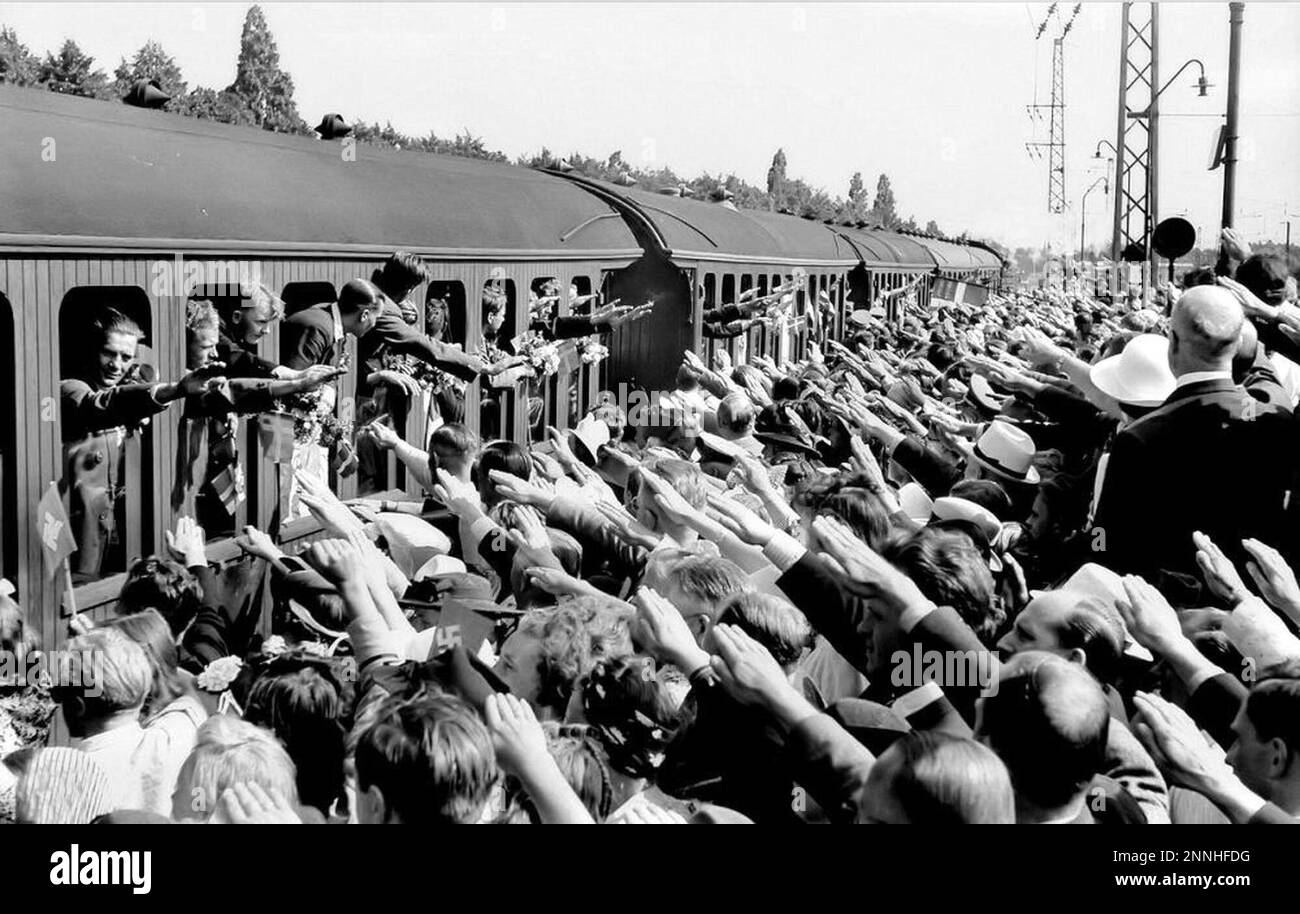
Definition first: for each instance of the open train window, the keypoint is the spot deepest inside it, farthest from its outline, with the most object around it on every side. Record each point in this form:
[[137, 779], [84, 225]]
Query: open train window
[[499, 326], [8, 445], [299, 295], [104, 336], [728, 297], [581, 380], [547, 299], [445, 316]]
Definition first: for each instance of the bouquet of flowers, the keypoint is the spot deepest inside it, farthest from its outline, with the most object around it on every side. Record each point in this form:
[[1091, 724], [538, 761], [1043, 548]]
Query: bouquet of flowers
[[313, 421], [434, 380], [591, 349], [543, 355]]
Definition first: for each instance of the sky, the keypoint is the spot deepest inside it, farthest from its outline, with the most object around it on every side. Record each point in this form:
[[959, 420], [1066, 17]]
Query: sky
[[932, 94]]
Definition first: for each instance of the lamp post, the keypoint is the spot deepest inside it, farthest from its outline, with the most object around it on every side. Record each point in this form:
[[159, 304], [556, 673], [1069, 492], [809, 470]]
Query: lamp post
[[1083, 215], [1236, 13]]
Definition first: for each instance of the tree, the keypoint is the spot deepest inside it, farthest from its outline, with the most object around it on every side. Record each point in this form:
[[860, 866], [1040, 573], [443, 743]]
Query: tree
[[150, 62], [883, 210], [776, 181], [932, 228], [18, 65], [263, 88], [72, 72], [856, 207], [210, 105]]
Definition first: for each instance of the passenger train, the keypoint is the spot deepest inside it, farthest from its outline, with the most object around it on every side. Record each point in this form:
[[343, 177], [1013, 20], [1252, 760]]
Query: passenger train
[[104, 203]]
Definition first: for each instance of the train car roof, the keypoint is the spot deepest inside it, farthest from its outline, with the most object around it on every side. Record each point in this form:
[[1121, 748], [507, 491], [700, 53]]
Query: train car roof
[[84, 173], [696, 228], [893, 249]]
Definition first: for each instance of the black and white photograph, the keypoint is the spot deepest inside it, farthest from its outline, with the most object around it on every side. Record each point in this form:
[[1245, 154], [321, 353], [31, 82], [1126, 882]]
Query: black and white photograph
[[649, 413]]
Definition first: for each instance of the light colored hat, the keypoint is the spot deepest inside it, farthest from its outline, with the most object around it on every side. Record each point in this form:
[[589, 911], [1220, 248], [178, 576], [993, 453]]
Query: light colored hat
[[1139, 375], [950, 507], [412, 541], [915, 503], [62, 786], [984, 396], [590, 433], [1007, 452], [721, 445], [439, 565], [1100, 583]]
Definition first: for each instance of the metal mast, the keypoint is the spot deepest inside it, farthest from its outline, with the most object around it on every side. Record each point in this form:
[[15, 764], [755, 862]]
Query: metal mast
[[1137, 120]]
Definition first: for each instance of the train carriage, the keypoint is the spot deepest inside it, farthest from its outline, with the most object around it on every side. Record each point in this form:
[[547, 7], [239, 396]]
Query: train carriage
[[144, 209], [108, 204]]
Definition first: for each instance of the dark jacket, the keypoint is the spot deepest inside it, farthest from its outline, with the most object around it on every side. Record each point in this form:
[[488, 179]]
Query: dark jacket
[[1213, 459]]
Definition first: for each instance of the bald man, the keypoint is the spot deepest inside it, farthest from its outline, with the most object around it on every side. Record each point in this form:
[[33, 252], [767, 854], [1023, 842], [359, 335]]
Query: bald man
[[1212, 458], [1049, 723]]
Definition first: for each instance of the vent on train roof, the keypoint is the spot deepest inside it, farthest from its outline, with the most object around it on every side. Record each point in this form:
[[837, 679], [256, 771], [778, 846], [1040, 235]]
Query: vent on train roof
[[333, 127], [146, 93]]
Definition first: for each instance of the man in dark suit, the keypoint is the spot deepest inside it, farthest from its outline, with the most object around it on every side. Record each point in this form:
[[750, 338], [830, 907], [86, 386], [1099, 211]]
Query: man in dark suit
[[1212, 458]]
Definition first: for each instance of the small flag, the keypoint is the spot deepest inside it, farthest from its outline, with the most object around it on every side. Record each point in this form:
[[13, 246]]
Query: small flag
[[229, 487], [57, 542]]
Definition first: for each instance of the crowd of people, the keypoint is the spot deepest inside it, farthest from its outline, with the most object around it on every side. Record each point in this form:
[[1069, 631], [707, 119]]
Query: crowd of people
[[1027, 560]]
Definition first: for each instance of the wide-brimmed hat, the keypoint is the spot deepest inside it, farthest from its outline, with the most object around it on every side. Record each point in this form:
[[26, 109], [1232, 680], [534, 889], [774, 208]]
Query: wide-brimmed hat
[[438, 566], [588, 436], [915, 502], [950, 507], [1007, 452], [1139, 375], [982, 397], [776, 426]]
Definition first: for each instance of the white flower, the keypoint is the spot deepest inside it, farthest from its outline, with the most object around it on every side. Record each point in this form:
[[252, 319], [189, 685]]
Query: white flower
[[274, 646], [219, 674]]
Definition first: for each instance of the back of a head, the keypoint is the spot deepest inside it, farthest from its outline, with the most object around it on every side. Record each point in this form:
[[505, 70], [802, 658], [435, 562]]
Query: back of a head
[[987, 493], [431, 758], [1205, 327], [863, 510], [357, 296], [951, 571], [736, 414], [124, 676], [168, 586], [1049, 722], [785, 388], [149, 630], [707, 580], [773, 623], [452, 447], [935, 778], [1265, 276], [686, 478], [575, 638], [1096, 628], [632, 713], [400, 272], [580, 756], [505, 456], [230, 751], [298, 700]]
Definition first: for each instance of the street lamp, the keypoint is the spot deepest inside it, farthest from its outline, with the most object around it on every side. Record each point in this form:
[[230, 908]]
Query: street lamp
[[1101, 143], [1083, 213], [1202, 87]]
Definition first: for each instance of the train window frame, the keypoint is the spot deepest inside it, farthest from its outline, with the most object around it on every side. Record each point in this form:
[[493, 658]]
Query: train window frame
[[451, 291], [549, 387], [137, 514], [583, 376], [506, 404]]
